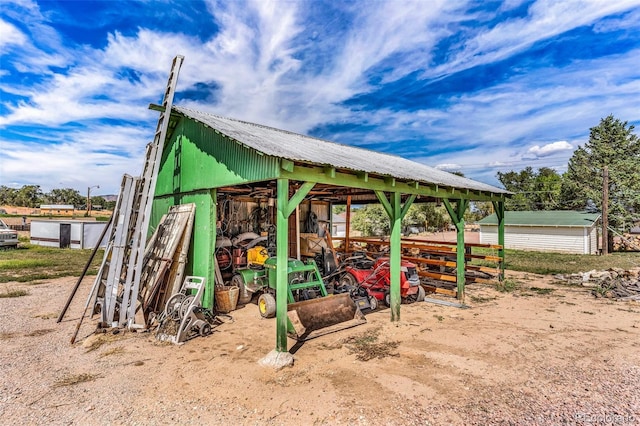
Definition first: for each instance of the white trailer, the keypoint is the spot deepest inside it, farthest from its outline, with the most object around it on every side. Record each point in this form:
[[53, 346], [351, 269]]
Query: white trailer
[[76, 234]]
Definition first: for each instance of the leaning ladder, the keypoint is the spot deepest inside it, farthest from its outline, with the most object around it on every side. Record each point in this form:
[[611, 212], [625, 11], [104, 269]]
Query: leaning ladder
[[109, 278], [144, 200]]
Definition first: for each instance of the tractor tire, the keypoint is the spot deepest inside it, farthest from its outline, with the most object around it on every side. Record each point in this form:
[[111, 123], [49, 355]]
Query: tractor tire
[[244, 296], [421, 294], [267, 305]]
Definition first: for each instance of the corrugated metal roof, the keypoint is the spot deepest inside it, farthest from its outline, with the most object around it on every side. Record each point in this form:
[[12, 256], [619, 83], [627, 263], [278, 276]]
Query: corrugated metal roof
[[566, 218], [307, 149]]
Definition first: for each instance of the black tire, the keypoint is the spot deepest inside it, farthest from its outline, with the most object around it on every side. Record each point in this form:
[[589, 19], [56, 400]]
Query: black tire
[[205, 330], [244, 296], [267, 305], [348, 280], [373, 302], [418, 297], [387, 299]]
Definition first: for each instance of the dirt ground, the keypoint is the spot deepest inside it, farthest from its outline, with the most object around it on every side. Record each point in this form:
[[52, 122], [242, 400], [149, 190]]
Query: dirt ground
[[531, 356]]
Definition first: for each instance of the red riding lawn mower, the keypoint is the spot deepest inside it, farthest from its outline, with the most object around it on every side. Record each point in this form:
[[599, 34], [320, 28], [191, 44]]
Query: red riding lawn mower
[[375, 278]]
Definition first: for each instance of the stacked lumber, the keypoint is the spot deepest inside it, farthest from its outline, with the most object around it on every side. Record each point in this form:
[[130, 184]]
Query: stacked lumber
[[627, 242]]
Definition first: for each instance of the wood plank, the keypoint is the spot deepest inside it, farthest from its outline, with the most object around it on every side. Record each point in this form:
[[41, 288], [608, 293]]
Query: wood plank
[[453, 243], [440, 290], [419, 241]]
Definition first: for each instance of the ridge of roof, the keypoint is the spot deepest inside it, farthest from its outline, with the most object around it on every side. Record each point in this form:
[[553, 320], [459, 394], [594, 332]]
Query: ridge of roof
[[297, 147]]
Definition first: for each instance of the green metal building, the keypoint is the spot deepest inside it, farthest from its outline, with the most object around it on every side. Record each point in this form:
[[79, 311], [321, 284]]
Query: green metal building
[[207, 157]]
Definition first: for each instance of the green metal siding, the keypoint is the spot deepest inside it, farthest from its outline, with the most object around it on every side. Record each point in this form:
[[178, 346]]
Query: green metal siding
[[197, 160], [203, 238], [197, 157]]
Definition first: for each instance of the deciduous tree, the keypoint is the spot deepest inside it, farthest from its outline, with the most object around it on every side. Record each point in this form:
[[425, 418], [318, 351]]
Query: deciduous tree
[[532, 190]]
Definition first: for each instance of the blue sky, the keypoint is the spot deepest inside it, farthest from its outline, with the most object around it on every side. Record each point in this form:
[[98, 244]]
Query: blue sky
[[470, 86]]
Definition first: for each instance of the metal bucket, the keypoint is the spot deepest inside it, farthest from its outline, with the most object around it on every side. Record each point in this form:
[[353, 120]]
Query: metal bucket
[[316, 317]]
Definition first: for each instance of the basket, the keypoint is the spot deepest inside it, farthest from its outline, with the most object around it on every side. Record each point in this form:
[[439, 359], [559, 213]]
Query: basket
[[226, 298]]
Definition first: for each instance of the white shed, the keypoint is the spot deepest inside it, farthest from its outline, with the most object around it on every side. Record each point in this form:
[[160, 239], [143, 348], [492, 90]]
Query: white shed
[[338, 224], [75, 234], [546, 230]]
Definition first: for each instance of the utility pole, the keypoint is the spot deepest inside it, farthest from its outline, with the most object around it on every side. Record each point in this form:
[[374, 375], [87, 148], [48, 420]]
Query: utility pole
[[88, 213], [605, 210]]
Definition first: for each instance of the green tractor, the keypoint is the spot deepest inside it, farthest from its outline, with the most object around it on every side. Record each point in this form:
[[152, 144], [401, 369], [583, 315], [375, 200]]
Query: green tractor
[[311, 311]]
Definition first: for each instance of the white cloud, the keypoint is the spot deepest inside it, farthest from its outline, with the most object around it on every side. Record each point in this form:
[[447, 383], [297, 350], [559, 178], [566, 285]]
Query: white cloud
[[546, 18], [76, 158], [451, 167], [549, 149], [255, 61], [10, 36]]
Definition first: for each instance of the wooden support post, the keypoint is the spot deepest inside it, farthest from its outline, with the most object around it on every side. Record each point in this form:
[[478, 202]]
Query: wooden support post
[[605, 210]]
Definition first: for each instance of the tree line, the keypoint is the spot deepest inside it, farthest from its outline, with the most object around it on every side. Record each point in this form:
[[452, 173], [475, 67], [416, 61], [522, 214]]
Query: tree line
[[612, 144], [33, 196]]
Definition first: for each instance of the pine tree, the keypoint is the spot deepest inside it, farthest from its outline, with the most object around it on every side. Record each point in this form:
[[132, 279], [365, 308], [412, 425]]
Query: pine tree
[[612, 143]]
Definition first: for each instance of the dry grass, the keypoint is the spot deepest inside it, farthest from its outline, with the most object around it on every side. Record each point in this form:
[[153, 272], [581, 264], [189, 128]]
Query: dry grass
[[366, 346], [113, 351], [74, 379], [47, 316], [95, 341], [13, 293], [36, 333]]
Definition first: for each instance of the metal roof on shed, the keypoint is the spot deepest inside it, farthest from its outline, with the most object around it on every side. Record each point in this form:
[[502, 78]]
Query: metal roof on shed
[[565, 218], [307, 149]]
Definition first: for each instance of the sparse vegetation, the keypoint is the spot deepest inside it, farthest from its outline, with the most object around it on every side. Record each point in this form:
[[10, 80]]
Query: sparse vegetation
[[75, 379], [113, 351], [97, 340], [24, 263], [508, 285], [30, 263], [46, 316], [542, 291], [481, 299], [36, 333], [13, 293], [546, 263], [366, 346]]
